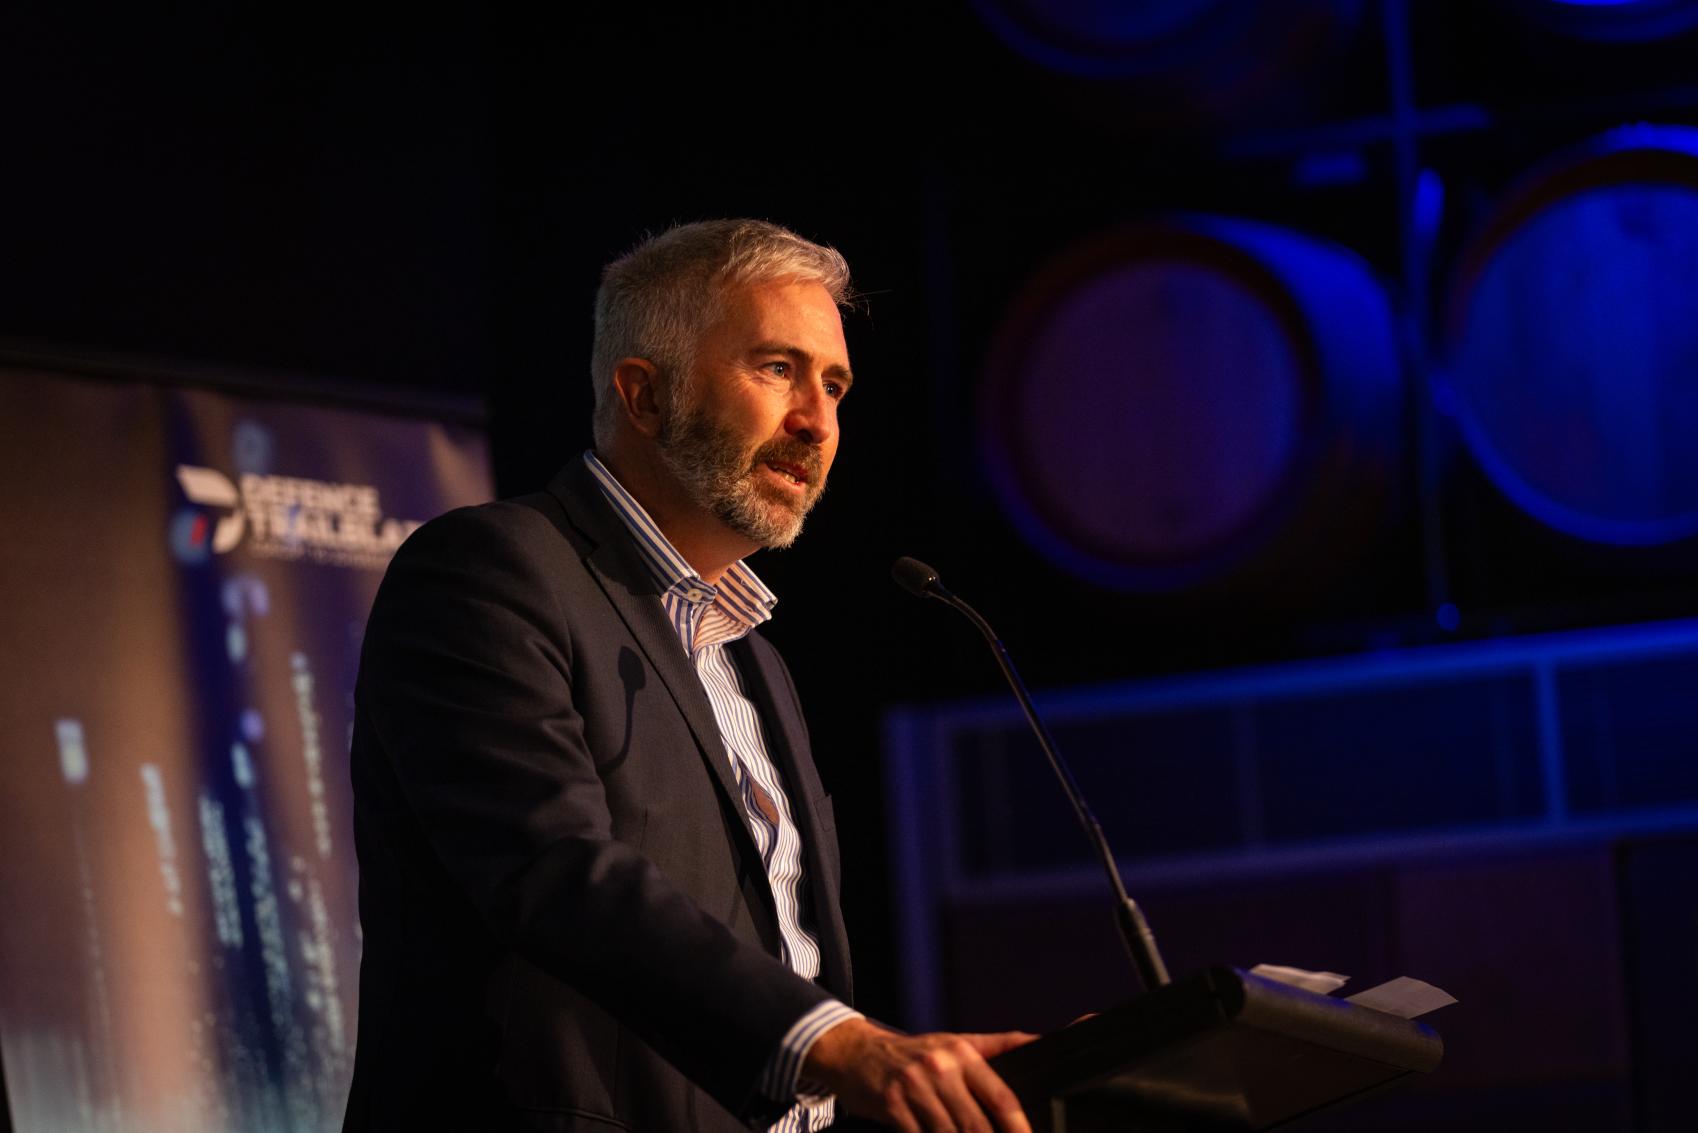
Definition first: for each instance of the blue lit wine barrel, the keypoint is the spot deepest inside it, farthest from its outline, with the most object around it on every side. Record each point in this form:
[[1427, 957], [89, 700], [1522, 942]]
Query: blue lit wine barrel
[[1572, 333], [1612, 21], [1195, 401], [1215, 53]]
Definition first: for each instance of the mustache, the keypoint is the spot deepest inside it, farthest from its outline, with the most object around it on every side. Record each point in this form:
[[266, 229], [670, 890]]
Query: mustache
[[789, 451]]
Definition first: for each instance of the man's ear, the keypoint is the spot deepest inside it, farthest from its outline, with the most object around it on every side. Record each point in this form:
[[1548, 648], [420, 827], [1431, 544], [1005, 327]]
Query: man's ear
[[635, 382]]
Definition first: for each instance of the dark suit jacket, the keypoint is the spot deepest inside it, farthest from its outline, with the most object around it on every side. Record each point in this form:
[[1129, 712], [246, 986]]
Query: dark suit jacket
[[566, 924]]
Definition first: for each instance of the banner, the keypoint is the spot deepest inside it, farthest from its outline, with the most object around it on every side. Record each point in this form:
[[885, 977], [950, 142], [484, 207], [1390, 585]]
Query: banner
[[183, 588]]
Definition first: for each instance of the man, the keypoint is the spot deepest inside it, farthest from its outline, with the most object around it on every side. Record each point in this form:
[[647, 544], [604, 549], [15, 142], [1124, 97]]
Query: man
[[598, 870]]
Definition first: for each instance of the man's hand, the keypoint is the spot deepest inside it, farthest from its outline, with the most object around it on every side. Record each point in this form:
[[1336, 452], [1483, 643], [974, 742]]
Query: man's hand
[[937, 1083]]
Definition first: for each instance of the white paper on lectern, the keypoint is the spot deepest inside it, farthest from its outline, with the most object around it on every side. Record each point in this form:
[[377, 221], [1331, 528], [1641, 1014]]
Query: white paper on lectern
[[1404, 997], [1321, 983]]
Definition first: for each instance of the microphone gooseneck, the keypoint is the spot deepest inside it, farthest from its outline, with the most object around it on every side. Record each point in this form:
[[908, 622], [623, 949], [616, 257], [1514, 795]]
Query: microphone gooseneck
[[919, 579]]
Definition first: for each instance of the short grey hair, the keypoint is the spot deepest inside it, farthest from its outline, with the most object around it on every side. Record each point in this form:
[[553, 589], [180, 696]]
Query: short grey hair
[[657, 300]]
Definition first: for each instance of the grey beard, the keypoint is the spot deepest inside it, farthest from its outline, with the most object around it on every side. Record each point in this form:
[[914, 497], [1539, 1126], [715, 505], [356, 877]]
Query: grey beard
[[710, 463]]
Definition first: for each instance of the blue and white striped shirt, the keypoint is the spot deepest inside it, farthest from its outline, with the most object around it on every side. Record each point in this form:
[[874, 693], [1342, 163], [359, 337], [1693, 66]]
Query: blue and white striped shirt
[[706, 619]]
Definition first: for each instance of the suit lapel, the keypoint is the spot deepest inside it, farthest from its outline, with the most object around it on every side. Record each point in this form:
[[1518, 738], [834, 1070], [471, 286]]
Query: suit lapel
[[630, 589], [788, 745]]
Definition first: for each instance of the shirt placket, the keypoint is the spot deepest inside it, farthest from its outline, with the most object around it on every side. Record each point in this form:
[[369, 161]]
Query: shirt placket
[[758, 803]]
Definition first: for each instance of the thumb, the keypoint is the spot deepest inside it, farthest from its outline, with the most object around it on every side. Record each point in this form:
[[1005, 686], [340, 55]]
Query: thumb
[[989, 1046]]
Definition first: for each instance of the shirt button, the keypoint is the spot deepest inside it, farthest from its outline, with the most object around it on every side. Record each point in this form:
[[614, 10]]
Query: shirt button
[[694, 595]]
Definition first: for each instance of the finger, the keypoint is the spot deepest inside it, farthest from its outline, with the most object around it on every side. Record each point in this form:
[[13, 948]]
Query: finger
[[916, 1089], [992, 1045], [898, 1113], [996, 1099], [955, 1070]]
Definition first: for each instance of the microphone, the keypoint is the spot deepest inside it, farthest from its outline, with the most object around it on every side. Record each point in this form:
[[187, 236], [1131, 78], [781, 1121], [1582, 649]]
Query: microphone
[[919, 579], [915, 576]]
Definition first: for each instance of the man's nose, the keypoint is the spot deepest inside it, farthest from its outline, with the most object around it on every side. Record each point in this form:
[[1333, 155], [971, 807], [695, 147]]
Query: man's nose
[[813, 415]]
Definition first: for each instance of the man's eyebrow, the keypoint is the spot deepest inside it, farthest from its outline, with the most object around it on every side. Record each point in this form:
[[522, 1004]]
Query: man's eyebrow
[[840, 373]]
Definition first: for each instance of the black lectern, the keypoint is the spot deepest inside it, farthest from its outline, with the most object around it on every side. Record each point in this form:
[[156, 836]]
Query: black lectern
[[1219, 1050]]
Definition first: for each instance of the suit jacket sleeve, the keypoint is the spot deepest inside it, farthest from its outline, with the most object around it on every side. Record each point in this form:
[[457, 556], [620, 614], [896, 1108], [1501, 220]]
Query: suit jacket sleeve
[[473, 681]]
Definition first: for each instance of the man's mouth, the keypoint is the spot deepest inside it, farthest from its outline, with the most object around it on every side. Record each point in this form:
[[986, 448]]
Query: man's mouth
[[795, 473]]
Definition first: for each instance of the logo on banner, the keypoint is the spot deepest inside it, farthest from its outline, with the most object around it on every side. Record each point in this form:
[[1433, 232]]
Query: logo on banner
[[284, 517]]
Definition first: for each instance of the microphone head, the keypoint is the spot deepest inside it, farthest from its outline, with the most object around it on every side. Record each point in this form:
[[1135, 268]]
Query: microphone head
[[915, 576]]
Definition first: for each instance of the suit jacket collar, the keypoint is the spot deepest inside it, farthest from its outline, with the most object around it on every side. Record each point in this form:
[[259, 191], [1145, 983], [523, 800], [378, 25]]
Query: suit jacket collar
[[634, 593], [742, 595], [787, 741]]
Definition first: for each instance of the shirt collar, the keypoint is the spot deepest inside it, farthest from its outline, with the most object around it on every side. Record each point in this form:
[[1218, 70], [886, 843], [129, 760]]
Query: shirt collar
[[740, 592]]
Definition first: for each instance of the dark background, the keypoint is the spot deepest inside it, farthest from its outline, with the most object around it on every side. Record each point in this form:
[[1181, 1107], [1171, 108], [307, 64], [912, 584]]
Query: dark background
[[421, 201]]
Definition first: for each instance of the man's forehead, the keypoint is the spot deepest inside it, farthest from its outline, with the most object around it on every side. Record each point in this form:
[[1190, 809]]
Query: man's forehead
[[782, 310], [767, 294]]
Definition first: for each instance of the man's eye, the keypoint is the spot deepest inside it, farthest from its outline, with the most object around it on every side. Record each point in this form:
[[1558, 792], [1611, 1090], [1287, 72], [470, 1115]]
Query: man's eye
[[835, 390], [782, 369]]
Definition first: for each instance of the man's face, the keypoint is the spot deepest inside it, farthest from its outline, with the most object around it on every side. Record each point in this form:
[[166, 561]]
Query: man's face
[[752, 434]]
